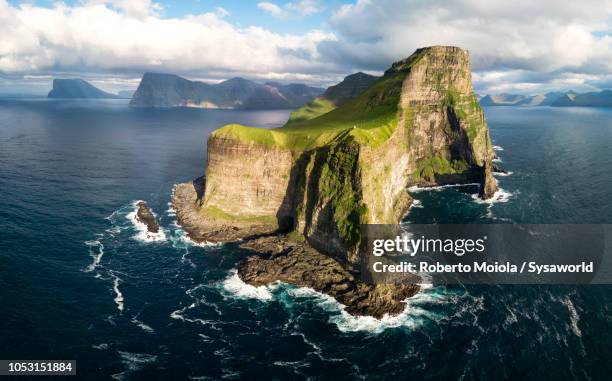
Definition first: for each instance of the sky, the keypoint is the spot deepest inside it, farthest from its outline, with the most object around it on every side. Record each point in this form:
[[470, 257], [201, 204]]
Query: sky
[[518, 46]]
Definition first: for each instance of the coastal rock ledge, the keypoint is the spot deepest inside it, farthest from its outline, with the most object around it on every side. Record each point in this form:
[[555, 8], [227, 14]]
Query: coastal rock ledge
[[299, 194]]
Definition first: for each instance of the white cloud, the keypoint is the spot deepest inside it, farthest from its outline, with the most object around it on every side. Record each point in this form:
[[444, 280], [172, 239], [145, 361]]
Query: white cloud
[[273, 9], [299, 8], [98, 36], [520, 44], [221, 12], [133, 8], [545, 36], [306, 7]]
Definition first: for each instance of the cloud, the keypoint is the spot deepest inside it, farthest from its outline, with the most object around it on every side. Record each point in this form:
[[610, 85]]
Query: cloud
[[531, 36], [133, 8], [299, 8], [117, 37], [221, 12], [273, 9], [306, 7], [522, 45]]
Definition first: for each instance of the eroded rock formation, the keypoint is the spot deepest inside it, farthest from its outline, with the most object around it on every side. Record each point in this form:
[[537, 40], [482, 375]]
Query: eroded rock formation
[[145, 216], [419, 124]]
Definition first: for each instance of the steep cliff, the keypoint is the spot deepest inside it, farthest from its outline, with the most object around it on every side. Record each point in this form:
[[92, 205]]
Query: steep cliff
[[322, 177], [168, 90], [78, 88]]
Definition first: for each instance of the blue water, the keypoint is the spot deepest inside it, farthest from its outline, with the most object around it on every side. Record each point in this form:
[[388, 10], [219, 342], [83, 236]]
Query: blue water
[[78, 282]]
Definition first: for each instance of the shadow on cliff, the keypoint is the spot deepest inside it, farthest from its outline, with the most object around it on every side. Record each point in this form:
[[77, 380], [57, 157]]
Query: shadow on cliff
[[199, 185], [459, 146]]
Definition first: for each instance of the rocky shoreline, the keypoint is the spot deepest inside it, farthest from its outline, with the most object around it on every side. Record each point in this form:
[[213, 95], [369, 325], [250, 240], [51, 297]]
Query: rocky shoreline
[[200, 228], [283, 258]]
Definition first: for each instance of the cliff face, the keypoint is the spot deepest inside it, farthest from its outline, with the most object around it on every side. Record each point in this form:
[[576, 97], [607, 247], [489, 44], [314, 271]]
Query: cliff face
[[77, 88], [167, 90], [322, 177]]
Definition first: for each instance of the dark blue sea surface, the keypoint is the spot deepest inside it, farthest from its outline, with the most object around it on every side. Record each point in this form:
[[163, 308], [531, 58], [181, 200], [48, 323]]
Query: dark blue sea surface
[[78, 279]]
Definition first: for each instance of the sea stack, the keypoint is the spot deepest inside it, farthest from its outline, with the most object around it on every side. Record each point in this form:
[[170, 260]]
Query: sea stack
[[145, 216], [323, 175]]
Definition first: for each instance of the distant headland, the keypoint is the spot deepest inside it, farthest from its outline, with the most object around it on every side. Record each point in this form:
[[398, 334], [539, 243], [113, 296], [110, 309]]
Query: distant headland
[[78, 88], [169, 90]]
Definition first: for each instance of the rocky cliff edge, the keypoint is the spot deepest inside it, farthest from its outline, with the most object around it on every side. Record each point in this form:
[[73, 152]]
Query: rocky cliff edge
[[319, 179]]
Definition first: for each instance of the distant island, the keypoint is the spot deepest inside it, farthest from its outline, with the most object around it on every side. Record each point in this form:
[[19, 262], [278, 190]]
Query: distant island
[[553, 99], [78, 88], [298, 195], [168, 90]]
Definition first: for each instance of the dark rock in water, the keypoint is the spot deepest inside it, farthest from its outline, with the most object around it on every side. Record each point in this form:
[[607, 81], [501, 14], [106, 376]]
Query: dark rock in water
[[145, 216], [488, 185], [291, 261], [498, 168]]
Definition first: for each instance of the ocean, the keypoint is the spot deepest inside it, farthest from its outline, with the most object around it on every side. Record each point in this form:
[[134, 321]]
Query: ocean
[[79, 280]]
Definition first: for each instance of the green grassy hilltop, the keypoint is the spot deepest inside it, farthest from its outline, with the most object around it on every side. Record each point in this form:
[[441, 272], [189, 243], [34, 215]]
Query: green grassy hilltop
[[370, 118]]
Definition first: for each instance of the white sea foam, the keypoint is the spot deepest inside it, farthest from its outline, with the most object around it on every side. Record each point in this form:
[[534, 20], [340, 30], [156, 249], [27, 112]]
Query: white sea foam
[[118, 295], [143, 326], [574, 318], [416, 204], [143, 233], [500, 196], [133, 362], [171, 211], [178, 314], [498, 148], [416, 188], [237, 288], [497, 160], [502, 174], [180, 240], [95, 254], [412, 316]]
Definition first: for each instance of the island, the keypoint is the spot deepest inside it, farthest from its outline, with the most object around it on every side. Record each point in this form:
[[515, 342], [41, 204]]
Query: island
[[297, 195], [78, 88], [553, 99], [169, 90]]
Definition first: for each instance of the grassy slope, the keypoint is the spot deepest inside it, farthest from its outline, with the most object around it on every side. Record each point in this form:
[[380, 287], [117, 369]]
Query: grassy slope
[[370, 118], [311, 110]]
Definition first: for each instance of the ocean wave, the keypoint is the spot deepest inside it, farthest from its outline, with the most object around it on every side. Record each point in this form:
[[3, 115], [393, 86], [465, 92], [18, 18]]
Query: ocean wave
[[133, 362], [237, 288], [143, 326], [498, 148], [416, 204], [500, 196], [574, 318], [118, 295], [503, 174], [96, 255], [413, 316], [144, 234], [179, 238], [497, 160]]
